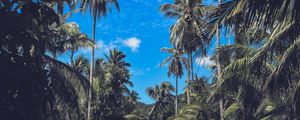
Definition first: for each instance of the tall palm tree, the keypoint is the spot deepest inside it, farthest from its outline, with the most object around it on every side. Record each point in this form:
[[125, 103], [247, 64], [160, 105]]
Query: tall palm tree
[[113, 92], [98, 8], [216, 31], [160, 94], [116, 61], [188, 32], [175, 67], [218, 63]]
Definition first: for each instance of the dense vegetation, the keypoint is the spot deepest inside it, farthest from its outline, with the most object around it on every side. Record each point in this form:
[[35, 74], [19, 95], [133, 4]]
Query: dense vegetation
[[255, 77]]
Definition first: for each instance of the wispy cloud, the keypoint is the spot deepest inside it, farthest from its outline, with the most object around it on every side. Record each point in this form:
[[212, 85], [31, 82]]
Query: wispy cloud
[[140, 71], [204, 61]]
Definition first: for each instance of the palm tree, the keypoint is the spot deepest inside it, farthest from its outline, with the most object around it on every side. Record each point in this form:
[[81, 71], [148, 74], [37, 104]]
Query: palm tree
[[98, 8], [54, 88], [216, 31], [233, 84], [196, 112], [116, 58], [188, 33], [116, 62], [133, 97], [161, 94], [281, 26], [67, 36], [70, 88], [199, 89], [99, 75], [81, 65], [218, 64], [113, 92], [175, 67], [72, 39]]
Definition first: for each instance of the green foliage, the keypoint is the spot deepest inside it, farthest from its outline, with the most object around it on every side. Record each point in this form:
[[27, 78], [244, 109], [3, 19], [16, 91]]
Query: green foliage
[[164, 105], [37, 86], [176, 61], [41, 87], [195, 112], [270, 72], [188, 32], [260, 71], [199, 89], [134, 117], [113, 97], [99, 8]]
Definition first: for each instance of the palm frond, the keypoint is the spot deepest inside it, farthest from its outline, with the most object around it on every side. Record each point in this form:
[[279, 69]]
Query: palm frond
[[99, 8], [287, 65], [70, 87]]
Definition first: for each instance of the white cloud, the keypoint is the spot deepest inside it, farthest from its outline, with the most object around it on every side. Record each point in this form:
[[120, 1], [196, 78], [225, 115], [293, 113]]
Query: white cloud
[[103, 47], [133, 43], [204, 61], [99, 44]]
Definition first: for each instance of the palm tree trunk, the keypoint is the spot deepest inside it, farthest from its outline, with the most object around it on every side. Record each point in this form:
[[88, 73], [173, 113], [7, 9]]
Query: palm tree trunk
[[188, 80], [219, 69], [192, 66], [219, 66], [176, 99], [192, 73], [72, 58], [221, 109], [92, 68], [151, 111]]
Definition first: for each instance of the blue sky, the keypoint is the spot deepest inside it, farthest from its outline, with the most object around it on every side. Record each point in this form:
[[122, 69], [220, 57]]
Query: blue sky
[[139, 30]]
